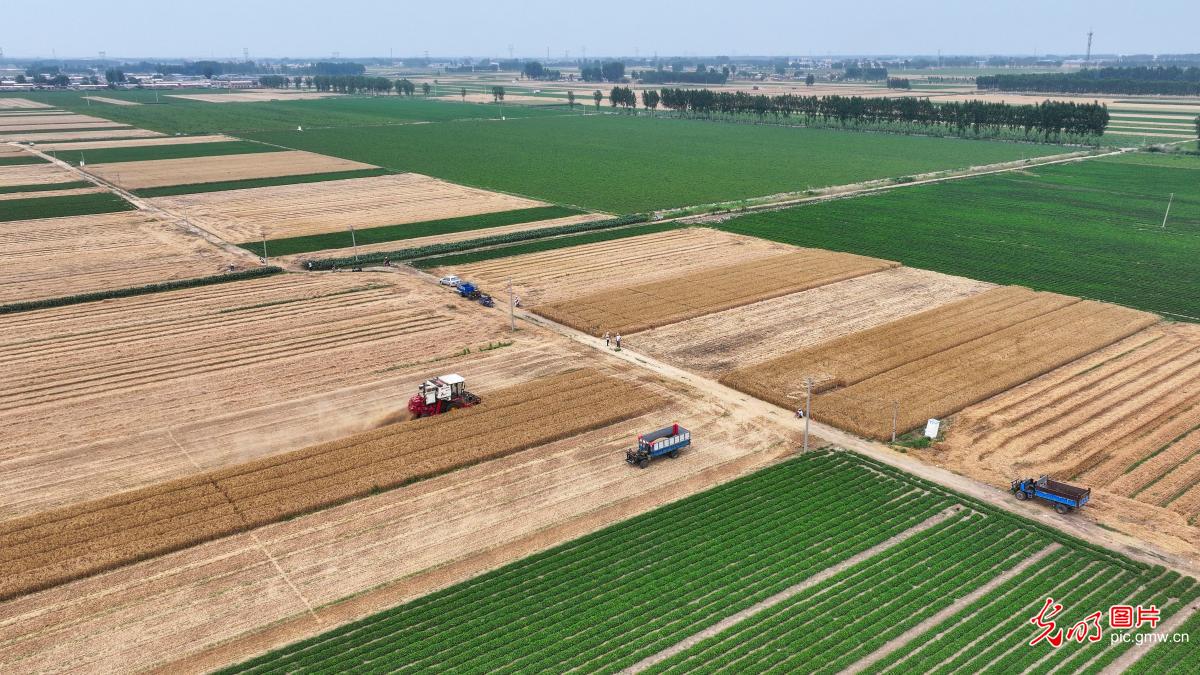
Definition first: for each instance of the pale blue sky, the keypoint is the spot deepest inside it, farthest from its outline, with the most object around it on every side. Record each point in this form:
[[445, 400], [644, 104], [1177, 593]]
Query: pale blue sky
[[221, 28]]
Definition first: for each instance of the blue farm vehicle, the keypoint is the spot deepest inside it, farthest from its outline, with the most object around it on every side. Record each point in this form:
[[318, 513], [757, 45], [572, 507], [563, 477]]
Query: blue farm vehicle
[[1066, 498], [469, 290], [666, 441]]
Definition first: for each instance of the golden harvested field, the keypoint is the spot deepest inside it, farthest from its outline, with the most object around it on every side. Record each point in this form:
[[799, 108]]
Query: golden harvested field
[[1124, 420], [190, 170], [939, 361], [35, 174], [56, 546], [56, 137], [450, 237], [7, 150], [54, 257], [331, 206], [383, 549], [20, 104], [114, 101], [243, 96], [54, 121], [134, 142], [105, 397], [739, 337], [49, 193], [630, 309], [550, 276]]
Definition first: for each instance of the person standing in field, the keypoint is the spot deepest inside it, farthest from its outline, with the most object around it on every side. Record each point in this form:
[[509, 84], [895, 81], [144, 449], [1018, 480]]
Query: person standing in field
[[606, 340], [618, 341]]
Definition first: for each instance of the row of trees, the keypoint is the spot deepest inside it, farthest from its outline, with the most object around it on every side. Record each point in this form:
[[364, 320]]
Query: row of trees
[[898, 83], [609, 71], [1173, 81], [534, 70], [699, 76], [1051, 119]]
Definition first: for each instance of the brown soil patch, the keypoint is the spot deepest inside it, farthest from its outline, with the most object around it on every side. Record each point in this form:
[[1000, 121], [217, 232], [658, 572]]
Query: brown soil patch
[[408, 541], [105, 397], [190, 170], [939, 361], [134, 143], [54, 257], [331, 206], [20, 104], [630, 309], [242, 96], [35, 174], [550, 276], [739, 337], [54, 547]]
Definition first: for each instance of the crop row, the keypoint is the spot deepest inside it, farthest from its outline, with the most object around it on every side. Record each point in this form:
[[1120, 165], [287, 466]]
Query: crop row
[[466, 245], [56, 546], [939, 361], [627, 592], [644, 306]]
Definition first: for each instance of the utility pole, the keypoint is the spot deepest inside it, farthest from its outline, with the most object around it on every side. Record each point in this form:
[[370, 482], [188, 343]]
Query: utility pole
[[354, 243], [264, 241], [512, 316], [1171, 199], [807, 408], [1087, 60]]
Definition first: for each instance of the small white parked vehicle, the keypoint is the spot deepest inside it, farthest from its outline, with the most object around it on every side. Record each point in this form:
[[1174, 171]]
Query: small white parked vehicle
[[450, 281]]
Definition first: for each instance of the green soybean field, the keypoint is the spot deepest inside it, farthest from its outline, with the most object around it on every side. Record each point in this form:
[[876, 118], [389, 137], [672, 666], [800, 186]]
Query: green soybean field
[[826, 562]]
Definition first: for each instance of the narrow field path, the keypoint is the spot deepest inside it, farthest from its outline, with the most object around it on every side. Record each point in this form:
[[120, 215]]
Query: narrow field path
[[788, 593]]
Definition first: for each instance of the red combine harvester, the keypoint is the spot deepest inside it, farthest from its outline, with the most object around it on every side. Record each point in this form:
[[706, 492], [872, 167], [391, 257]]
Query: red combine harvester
[[441, 394]]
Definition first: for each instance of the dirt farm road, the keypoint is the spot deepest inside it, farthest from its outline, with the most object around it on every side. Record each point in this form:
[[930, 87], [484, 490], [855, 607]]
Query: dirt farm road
[[749, 407]]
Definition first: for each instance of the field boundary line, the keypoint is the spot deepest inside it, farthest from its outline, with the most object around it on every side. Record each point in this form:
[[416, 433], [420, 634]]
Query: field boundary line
[[954, 608], [790, 592], [171, 435], [283, 575]]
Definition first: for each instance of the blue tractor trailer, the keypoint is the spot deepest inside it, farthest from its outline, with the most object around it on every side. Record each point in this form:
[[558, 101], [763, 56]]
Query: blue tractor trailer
[[666, 441], [1066, 498]]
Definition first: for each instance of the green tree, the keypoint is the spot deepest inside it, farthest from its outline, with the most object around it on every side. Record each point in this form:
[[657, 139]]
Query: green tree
[[1198, 126], [425, 88], [650, 99], [534, 70], [497, 94], [810, 79], [571, 101], [597, 96], [463, 93]]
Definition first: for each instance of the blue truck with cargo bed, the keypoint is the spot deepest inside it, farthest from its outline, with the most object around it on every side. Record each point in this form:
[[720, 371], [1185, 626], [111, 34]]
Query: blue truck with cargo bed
[[666, 441], [1066, 498]]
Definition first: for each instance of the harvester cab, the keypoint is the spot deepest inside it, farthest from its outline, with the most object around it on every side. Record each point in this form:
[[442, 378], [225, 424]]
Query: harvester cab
[[441, 394]]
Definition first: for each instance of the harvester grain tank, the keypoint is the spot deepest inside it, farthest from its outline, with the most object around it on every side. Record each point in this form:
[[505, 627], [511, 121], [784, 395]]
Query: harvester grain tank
[[1066, 498], [666, 441], [441, 394]]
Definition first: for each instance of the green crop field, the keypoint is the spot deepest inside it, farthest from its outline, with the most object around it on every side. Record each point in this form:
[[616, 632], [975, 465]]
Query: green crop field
[[611, 599], [183, 116], [221, 186], [378, 235], [148, 152], [1090, 228], [44, 187], [57, 207], [20, 160], [622, 164]]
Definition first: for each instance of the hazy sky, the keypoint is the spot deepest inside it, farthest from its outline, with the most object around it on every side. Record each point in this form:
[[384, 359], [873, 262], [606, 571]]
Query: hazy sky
[[221, 28]]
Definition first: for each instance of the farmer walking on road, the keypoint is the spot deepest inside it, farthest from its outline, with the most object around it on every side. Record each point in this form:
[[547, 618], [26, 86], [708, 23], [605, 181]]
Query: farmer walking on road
[[606, 340], [618, 341]]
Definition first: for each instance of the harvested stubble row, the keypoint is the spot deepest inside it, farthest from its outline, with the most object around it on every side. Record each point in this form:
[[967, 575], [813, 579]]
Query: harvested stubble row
[[54, 547], [644, 306], [937, 362]]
